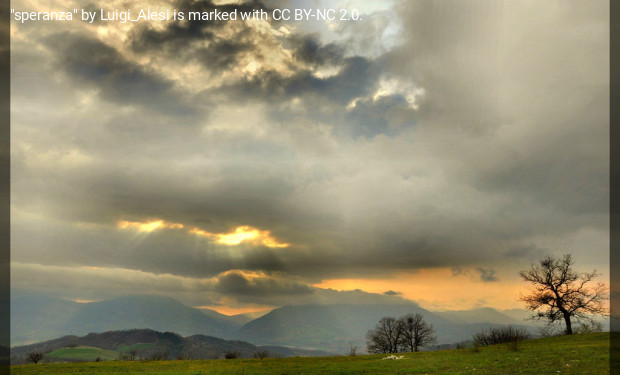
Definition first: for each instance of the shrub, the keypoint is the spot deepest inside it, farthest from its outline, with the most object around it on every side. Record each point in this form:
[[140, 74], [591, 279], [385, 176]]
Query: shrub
[[231, 355], [549, 330], [34, 357], [586, 327], [500, 335], [159, 356]]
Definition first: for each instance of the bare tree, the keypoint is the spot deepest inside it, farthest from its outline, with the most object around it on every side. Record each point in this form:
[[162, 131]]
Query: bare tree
[[560, 293], [416, 333], [34, 357], [385, 337], [352, 349]]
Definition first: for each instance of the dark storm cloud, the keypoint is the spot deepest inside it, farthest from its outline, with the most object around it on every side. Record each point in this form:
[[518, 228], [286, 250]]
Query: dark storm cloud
[[487, 274], [178, 35], [357, 78], [90, 62], [310, 50], [222, 54], [236, 284]]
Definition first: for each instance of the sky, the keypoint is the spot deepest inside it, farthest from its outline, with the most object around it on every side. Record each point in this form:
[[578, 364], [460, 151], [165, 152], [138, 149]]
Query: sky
[[427, 152]]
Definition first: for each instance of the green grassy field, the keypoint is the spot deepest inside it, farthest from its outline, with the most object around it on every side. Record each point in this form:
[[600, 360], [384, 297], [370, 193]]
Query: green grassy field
[[84, 353], [578, 354]]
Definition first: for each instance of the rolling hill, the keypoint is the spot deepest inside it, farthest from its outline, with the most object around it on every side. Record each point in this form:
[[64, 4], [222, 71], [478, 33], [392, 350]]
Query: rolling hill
[[148, 344]]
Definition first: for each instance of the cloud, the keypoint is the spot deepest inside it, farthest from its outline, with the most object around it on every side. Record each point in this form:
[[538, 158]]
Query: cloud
[[309, 49], [88, 61], [356, 78], [431, 136], [236, 287], [487, 274], [178, 35], [457, 271], [253, 288]]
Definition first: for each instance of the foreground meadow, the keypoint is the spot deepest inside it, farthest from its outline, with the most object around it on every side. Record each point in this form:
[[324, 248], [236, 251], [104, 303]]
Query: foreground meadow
[[577, 354]]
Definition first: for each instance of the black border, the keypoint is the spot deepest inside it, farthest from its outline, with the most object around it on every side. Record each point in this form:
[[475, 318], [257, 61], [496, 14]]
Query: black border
[[5, 187], [614, 175]]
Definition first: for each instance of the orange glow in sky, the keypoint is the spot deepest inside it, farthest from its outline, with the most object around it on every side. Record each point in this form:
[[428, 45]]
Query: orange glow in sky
[[227, 310], [440, 289], [229, 306]]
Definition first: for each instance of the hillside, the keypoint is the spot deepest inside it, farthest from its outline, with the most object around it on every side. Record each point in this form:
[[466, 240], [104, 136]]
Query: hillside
[[482, 315], [147, 344], [577, 354]]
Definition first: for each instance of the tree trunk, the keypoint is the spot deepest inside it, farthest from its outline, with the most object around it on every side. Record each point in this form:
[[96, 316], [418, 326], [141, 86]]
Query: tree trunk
[[569, 329]]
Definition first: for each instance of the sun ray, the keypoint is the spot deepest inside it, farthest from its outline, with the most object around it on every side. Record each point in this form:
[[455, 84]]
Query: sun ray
[[238, 235]]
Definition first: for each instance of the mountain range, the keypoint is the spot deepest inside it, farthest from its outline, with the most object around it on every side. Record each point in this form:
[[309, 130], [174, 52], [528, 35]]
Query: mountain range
[[334, 328]]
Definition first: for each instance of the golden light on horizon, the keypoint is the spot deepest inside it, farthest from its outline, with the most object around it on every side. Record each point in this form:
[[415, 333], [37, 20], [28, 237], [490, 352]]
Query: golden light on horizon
[[439, 288], [227, 310], [229, 306]]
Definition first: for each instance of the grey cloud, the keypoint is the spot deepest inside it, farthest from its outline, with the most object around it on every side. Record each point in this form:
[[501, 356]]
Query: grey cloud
[[309, 49], [456, 271], [222, 55], [105, 283], [91, 62], [260, 289], [386, 115], [97, 284], [524, 251], [178, 35], [487, 274], [357, 78]]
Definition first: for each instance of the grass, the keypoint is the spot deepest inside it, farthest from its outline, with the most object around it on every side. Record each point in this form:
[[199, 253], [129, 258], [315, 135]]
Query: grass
[[126, 348], [577, 354], [83, 353]]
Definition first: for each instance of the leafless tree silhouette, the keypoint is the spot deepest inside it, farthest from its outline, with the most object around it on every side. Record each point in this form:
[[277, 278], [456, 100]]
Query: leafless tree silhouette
[[560, 293]]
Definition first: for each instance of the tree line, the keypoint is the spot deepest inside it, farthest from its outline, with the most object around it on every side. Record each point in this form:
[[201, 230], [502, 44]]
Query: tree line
[[408, 333]]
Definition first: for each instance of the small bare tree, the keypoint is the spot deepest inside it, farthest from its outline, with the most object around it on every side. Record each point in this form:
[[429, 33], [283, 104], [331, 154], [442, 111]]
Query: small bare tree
[[561, 293], [385, 337], [416, 333], [34, 357], [352, 349]]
